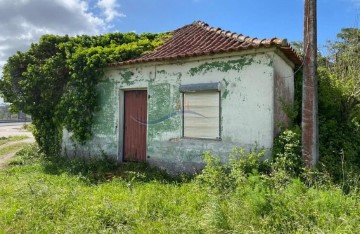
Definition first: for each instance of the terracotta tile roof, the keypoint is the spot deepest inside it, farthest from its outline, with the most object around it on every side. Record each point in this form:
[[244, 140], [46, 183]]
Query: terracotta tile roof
[[199, 39]]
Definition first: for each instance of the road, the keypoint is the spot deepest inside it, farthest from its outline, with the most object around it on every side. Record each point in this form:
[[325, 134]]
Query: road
[[13, 129], [4, 123]]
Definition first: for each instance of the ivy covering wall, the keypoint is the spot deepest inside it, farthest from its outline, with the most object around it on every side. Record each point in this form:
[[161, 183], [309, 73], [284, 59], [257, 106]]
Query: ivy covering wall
[[55, 81]]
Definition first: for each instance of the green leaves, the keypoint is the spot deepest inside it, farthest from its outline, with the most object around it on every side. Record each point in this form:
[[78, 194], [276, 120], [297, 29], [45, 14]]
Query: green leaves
[[287, 152], [344, 70], [339, 105], [55, 80]]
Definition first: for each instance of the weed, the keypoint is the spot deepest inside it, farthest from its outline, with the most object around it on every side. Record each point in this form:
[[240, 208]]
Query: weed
[[214, 174], [38, 196], [28, 127], [287, 152], [11, 148], [4, 140], [28, 155], [252, 162]]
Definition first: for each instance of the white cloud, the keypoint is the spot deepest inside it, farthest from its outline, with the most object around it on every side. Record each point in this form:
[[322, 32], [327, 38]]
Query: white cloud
[[110, 9], [22, 22]]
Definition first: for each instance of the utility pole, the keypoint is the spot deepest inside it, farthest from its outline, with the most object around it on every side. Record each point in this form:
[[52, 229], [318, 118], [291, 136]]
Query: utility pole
[[309, 124]]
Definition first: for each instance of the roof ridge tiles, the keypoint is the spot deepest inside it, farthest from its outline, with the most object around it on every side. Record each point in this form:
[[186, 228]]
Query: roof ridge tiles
[[198, 39], [233, 35]]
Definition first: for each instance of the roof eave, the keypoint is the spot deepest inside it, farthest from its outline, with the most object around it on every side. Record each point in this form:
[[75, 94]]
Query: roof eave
[[288, 52]]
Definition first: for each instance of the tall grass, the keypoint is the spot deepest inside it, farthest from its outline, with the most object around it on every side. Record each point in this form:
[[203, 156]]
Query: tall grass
[[43, 197], [11, 148], [4, 140]]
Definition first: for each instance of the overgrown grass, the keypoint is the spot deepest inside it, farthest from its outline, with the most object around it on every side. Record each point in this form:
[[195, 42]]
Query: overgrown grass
[[38, 196], [99, 169], [4, 140], [12, 148]]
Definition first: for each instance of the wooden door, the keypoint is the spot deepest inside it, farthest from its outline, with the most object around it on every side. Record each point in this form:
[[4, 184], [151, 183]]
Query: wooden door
[[135, 125]]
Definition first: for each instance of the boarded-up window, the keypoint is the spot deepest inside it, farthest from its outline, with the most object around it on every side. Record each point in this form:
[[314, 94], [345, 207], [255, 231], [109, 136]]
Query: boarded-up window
[[202, 114]]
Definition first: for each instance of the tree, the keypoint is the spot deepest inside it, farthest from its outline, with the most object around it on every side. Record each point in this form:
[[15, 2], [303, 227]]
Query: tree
[[339, 105], [55, 81], [344, 67]]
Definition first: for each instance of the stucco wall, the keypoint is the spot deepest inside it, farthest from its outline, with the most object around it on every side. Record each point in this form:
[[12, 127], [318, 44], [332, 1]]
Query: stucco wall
[[283, 92], [247, 107]]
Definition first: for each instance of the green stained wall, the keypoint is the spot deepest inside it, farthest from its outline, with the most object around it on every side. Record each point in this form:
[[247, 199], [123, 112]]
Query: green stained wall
[[247, 107], [159, 104], [105, 125], [107, 105], [222, 66]]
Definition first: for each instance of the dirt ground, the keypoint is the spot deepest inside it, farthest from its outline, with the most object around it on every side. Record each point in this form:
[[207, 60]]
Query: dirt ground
[[12, 129]]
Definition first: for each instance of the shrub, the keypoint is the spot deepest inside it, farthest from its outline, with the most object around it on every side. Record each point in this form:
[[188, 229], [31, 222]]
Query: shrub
[[38, 202], [29, 154], [214, 173], [222, 177], [287, 152], [248, 163]]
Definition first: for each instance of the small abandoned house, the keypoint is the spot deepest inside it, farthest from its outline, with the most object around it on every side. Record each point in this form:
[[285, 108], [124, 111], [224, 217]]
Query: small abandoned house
[[203, 89]]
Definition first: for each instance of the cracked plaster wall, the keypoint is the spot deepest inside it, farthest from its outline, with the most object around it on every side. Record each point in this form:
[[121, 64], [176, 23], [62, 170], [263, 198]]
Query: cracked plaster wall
[[247, 107]]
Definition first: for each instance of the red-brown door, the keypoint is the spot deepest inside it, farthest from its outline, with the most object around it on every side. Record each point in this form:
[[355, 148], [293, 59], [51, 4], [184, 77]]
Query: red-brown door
[[135, 125]]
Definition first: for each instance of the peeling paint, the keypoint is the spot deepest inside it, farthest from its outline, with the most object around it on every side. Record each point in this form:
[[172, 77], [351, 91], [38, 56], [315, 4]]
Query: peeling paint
[[161, 104], [126, 77], [226, 91], [105, 117], [247, 107], [222, 66], [225, 94], [161, 71]]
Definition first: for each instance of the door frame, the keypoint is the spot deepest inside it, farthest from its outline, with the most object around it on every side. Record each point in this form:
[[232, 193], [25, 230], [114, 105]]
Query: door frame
[[121, 122]]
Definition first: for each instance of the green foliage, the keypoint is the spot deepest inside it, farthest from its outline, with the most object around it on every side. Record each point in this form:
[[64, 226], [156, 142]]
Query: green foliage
[[28, 155], [4, 140], [298, 97], [219, 177], [244, 164], [287, 152], [102, 168], [11, 148], [215, 218], [92, 170], [214, 174], [35, 199], [339, 106], [55, 81], [291, 110], [345, 58], [28, 127]]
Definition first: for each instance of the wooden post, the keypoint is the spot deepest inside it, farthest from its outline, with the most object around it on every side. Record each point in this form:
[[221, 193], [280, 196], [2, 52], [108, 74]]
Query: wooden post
[[310, 135]]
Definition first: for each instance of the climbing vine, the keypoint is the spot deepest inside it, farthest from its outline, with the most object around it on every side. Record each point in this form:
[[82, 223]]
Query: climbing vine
[[55, 81]]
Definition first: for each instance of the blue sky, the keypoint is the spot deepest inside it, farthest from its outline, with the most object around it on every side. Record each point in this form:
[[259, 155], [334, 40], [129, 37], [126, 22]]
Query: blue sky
[[22, 22], [262, 18]]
